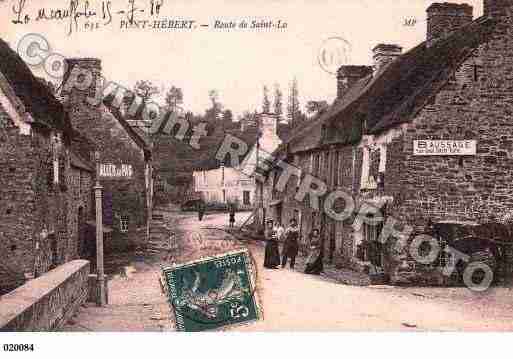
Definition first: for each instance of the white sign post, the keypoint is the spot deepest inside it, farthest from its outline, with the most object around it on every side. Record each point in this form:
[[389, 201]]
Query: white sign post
[[444, 147]]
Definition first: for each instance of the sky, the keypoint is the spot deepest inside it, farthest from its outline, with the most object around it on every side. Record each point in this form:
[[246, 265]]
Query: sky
[[236, 62]]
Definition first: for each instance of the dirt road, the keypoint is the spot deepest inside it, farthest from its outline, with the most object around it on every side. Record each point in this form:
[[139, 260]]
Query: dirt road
[[293, 301]]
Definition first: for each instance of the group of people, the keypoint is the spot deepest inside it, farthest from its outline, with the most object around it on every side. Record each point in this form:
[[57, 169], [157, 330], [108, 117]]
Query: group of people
[[275, 234], [231, 211]]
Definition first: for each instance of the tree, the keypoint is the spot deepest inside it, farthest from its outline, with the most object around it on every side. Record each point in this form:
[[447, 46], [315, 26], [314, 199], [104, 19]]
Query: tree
[[189, 116], [293, 108], [266, 105], [316, 107], [215, 111], [278, 101], [228, 116], [146, 90], [249, 119], [174, 97]]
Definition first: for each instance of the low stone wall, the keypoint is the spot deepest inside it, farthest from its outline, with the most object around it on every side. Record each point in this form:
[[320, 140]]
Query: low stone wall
[[47, 302]]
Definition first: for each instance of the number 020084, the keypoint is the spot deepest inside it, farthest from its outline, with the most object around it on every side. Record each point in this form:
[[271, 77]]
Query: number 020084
[[18, 347]]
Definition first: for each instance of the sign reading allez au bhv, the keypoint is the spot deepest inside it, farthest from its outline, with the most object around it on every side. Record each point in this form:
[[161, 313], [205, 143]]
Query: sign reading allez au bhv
[[116, 171], [444, 147]]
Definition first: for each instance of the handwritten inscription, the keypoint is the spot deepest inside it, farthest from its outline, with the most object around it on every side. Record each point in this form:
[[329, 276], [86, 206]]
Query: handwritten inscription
[[83, 14], [410, 22]]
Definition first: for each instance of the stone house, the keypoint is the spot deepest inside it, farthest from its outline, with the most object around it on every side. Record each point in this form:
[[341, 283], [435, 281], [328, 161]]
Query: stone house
[[452, 87], [126, 172], [45, 196], [330, 161], [219, 183], [224, 185]]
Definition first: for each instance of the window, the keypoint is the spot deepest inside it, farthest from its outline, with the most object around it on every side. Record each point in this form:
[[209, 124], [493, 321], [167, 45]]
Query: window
[[444, 258], [373, 248], [49, 175], [366, 182], [246, 200], [52, 238], [62, 173], [326, 167], [316, 163], [336, 169], [123, 224]]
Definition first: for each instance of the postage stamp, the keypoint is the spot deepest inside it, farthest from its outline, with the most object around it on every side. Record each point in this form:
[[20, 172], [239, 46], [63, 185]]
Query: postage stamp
[[213, 292]]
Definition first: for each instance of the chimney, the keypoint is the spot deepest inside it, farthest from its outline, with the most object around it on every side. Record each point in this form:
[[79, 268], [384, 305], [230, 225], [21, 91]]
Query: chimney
[[444, 18], [497, 8], [82, 80], [348, 75], [269, 141], [383, 54], [84, 71]]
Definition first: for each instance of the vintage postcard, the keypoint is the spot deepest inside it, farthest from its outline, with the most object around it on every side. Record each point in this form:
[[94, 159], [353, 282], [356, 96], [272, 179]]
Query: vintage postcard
[[255, 166]]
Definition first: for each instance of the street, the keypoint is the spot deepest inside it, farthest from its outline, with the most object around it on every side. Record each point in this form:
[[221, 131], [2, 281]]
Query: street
[[292, 301]]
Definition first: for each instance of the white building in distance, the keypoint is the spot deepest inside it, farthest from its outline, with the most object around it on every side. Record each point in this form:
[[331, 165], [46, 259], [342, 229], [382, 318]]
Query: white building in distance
[[218, 184]]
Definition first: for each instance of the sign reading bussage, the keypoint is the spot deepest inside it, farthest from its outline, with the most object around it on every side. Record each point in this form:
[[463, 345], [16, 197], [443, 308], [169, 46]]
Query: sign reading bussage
[[444, 147]]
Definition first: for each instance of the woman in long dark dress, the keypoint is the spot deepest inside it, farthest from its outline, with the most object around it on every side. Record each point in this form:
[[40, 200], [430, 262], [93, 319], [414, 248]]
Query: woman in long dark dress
[[314, 263], [272, 249]]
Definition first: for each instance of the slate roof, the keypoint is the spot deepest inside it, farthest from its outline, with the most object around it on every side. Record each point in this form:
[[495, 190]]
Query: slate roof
[[37, 99], [79, 162], [249, 136], [138, 136], [311, 136], [406, 85]]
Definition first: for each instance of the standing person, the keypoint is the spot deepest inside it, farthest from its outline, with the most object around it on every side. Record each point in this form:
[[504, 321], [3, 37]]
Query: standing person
[[272, 249], [201, 210], [232, 216], [291, 246], [280, 231], [314, 263]]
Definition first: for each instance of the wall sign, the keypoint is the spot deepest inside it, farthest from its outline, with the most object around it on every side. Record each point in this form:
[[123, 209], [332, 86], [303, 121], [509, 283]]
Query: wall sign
[[444, 147], [116, 171]]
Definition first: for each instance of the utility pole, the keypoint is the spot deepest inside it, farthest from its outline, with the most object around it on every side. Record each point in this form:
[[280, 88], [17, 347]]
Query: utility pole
[[101, 299], [260, 184]]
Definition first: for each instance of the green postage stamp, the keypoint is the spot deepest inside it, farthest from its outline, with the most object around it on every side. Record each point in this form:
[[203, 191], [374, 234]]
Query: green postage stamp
[[214, 292]]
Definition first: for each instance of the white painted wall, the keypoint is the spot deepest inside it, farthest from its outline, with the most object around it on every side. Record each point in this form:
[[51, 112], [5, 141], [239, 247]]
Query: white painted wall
[[233, 182]]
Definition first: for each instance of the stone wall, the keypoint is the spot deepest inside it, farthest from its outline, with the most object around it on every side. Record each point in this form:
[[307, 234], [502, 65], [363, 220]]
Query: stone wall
[[38, 226], [46, 303], [17, 201], [471, 188], [126, 197]]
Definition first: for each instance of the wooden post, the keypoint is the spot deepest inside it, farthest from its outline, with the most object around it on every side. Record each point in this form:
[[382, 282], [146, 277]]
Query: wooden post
[[99, 235]]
